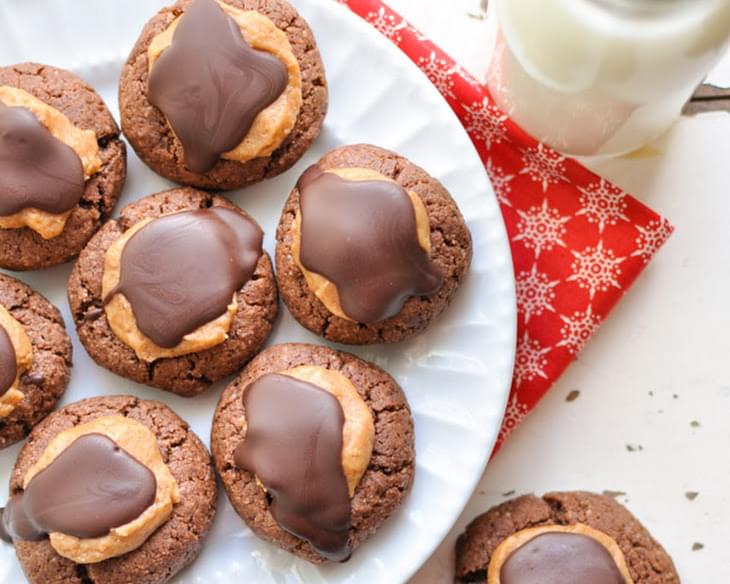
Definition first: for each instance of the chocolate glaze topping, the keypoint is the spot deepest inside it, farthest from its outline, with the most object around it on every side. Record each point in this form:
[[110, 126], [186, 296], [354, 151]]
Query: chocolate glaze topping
[[362, 236], [8, 363], [88, 489], [293, 445], [561, 558], [37, 170], [180, 271], [211, 84]]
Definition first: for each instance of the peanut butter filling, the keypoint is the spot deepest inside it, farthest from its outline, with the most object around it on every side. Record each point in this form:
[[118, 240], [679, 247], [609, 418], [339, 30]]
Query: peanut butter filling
[[141, 443], [23, 358], [83, 142], [272, 125], [517, 540], [358, 432], [122, 321], [324, 289]]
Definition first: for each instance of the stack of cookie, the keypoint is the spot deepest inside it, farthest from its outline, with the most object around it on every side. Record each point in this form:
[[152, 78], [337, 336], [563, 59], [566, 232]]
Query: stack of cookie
[[314, 446]]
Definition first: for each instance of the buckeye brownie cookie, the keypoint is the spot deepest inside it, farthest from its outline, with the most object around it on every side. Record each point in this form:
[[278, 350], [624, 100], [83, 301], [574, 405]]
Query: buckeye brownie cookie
[[220, 94], [370, 248], [62, 165], [561, 538], [109, 490], [35, 359], [315, 448], [177, 293]]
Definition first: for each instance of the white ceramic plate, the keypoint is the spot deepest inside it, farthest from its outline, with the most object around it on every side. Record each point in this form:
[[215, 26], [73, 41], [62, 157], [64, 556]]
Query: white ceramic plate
[[456, 376]]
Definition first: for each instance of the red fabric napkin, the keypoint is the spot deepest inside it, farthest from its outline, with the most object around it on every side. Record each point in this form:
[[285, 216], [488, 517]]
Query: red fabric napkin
[[578, 242]]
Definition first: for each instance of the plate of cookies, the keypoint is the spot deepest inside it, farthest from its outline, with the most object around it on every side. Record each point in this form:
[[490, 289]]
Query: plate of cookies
[[257, 307]]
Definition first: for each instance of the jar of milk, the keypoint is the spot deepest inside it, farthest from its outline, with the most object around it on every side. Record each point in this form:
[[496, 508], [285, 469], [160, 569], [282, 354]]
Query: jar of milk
[[603, 77]]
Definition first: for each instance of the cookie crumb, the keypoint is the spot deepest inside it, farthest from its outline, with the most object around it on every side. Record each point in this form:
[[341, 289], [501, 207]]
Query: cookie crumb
[[572, 396], [634, 447], [694, 424], [697, 546], [691, 495]]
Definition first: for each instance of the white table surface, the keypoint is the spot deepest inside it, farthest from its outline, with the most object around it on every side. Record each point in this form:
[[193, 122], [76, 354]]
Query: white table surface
[[660, 362]]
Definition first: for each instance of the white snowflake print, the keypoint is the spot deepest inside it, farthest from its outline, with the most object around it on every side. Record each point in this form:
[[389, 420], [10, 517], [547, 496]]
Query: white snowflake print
[[439, 72], [485, 122], [541, 228], [387, 24], [514, 415], [577, 329], [500, 182], [596, 269], [530, 361], [603, 203], [467, 77], [544, 166], [415, 32], [651, 238], [535, 292]]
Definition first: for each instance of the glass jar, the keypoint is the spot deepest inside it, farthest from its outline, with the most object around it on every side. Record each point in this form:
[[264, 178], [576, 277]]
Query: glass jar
[[603, 77]]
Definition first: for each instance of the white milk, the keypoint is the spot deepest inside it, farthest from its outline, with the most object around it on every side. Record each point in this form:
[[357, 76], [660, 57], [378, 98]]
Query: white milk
[[603, 77]]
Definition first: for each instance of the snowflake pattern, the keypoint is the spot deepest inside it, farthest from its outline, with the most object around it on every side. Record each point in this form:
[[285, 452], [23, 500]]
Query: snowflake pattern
[[387, 24], [603, 203], [651, 238], [439, 72], [501, 182], [541, 228], [465, 75], [484, 122], [417, 34], [514, 415], [578, 329], [535, 292], [543, 165], [596, 269], [530, 361]]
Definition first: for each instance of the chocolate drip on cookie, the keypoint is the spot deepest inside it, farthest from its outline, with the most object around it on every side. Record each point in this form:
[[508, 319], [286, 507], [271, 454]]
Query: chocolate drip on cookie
[[88, 489], [211, 84], [363, 237], [181, 271], [37, 170], [293, 445], [561, 558], [8, 363]]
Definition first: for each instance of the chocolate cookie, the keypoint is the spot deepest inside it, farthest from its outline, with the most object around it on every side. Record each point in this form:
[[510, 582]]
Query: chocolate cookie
[[282, 397], [561, 537], [166, 297], [375, 253], [166, 550], [40, 385], [170, 84], [22, 247]]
